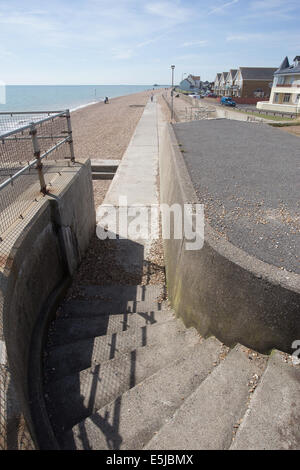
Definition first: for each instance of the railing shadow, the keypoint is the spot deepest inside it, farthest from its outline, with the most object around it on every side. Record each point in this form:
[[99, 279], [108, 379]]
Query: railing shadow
[[82, 393]]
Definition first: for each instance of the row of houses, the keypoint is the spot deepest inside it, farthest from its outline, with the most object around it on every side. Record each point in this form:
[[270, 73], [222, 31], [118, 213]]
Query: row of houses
[[245, 84], [285, 93]]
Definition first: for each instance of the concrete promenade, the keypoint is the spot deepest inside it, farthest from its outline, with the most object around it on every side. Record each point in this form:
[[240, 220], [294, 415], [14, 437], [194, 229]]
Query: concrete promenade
[[135, 183], [136, 176]]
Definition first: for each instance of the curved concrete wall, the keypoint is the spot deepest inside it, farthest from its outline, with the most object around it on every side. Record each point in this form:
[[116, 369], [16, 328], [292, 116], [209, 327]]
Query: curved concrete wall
[[220, 289], [46, 250]]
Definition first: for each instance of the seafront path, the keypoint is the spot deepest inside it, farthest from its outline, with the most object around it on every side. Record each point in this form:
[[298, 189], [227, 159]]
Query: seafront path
[[136, 183]]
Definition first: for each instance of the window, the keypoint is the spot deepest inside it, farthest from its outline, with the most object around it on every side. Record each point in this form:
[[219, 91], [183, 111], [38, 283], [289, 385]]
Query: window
[[286, 97], [280, 80], [259, 93], [276, 98], [297, 99]]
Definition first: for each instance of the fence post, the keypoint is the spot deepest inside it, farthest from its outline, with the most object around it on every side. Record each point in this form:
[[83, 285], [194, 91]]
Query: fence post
[[37, 154], [70, 135]]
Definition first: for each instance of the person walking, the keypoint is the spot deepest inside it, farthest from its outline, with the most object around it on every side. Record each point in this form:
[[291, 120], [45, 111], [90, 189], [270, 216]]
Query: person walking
[[151, 96]]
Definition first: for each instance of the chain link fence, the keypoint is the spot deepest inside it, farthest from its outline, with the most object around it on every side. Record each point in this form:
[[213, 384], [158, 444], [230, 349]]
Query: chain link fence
[[33, 149], [26, 139]]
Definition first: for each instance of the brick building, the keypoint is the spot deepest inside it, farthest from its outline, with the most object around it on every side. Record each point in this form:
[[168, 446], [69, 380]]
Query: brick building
[[253, 83], [246, 84]]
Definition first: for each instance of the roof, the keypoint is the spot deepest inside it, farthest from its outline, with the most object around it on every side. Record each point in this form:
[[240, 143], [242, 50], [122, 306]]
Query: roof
[[286, 68], [257, 73], [195, 77], [224, 74], [232, 72]]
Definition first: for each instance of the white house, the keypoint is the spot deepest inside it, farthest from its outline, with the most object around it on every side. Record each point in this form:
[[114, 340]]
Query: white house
[[229, 82], [217, 83], [191, 83], [285, 94], [222, 83]]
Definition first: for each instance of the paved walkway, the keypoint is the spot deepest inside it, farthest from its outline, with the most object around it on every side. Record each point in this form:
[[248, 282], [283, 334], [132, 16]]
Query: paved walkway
[[136, 176], [135, 183]]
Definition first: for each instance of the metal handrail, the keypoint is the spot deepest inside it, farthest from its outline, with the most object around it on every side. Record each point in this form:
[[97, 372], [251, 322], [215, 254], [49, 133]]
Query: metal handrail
[[33, 135], [28, 126], [32, 163], [12, 113]]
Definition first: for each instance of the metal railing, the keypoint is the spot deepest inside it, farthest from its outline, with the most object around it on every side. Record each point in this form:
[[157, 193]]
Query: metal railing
[[26, 140]]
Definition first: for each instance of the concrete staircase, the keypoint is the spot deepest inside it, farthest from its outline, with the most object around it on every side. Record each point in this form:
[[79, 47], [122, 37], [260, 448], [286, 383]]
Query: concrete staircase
[[104, 169], [126, 374]]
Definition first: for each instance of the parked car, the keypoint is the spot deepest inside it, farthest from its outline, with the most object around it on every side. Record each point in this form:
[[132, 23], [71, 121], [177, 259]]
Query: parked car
[[227, 101], [211, 95], [194, 95]]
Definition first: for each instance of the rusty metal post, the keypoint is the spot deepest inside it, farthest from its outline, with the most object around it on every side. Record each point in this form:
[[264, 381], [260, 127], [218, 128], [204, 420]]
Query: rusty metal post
[[37, 154], [70, 135]]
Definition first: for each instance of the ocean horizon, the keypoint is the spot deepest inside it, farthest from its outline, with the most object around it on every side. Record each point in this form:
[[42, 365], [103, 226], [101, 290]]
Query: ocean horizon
[[61, 97]]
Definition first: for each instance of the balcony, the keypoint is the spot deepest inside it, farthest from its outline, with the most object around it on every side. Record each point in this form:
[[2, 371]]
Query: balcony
[[287, 85]]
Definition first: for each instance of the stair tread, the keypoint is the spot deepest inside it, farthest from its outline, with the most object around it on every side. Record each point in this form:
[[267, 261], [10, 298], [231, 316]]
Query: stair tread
[[130, 421], [67, 330], [100, 163], [76, 396], [102, 175], [88, 308], [123, 293], [207, 418], [272, 419], [69, 358]]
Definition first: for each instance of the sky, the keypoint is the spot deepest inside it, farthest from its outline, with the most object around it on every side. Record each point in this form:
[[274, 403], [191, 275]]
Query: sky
[[136, 41]]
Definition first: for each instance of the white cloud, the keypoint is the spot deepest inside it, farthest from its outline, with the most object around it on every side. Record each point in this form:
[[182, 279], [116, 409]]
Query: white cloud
[[194, 43], [122, 54], [277, 9], [245, 37], [169, 10], [26, 19], [221, 8]]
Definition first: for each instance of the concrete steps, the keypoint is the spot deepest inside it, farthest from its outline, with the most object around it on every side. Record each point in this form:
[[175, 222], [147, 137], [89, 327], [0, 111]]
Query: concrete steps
[[129, 422], [94, 308], [207, 418], [68, 330], [102, 175], [141, 380], [83, 354], [104, 169], [76, 396], [122, 293], [273, 416]]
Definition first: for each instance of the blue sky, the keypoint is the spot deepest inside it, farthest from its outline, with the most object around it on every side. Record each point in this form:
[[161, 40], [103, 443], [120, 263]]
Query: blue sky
[[136, 41]]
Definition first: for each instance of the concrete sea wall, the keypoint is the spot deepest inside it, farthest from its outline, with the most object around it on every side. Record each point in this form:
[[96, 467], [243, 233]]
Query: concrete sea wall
[[46, 247], [220, 289]]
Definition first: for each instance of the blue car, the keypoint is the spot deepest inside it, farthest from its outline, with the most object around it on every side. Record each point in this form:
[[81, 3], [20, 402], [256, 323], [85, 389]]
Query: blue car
[[227, 101]]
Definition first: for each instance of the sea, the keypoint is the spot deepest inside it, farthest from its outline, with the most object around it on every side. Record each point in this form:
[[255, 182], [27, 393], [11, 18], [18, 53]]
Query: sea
[[61, 97]]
